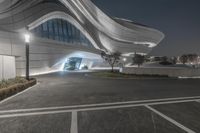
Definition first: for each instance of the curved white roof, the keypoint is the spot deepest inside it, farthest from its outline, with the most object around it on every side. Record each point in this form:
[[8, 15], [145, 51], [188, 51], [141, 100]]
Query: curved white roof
[[105, 33]]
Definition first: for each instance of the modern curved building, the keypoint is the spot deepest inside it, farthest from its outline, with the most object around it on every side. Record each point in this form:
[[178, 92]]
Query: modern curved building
[[64, 28]]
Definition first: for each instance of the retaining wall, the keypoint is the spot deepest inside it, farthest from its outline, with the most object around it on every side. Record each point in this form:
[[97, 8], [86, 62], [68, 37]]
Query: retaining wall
[[162, 71]]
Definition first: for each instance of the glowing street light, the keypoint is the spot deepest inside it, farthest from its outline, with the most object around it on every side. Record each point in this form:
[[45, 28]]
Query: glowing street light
[[124, 59], [27, 42], [27, 37]]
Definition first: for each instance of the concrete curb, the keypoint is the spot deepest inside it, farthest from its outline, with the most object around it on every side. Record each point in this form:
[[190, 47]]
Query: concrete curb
[[123, 78], [14, 89]]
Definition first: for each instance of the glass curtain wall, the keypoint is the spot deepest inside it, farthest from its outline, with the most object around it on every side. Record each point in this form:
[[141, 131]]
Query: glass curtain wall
[[61, 30]]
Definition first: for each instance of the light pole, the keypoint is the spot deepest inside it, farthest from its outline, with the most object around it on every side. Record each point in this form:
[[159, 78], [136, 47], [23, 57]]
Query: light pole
[[27, 41], [124, 61]]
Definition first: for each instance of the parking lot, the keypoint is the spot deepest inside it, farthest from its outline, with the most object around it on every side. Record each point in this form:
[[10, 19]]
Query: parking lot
[[75, 103]]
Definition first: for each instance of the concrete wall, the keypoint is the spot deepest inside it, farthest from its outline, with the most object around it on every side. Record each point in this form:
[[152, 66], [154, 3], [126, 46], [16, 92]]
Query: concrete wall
[[7, 67], [171, 72], [45, 55]]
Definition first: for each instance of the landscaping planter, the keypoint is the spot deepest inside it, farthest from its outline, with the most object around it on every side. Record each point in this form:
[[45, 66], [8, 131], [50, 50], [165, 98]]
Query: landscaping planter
[[11, 90]]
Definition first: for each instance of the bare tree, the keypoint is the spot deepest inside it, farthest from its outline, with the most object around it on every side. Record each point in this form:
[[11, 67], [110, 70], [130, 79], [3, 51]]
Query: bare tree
[[112, 58], [138, 59], [192, 58], [174, 60], [183, 59]]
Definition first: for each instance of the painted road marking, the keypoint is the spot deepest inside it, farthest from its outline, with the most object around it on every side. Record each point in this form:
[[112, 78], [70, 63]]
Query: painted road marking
[[170, 120], [139, 102], [35, 113], [74, 122], [64, 109], [198, 101]]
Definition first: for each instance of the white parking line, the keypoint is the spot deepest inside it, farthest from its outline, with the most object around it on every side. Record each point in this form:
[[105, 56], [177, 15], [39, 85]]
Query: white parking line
[[170, 120], [132, 105], [35, 113], [74, 122], [109, 105], [65, 109], [198, 101]]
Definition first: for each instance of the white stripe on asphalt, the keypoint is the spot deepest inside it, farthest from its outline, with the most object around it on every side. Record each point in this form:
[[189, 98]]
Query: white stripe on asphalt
[[35, 113], [130, 105], [145, 102], [6, 115], [170, 120], [74, 122]]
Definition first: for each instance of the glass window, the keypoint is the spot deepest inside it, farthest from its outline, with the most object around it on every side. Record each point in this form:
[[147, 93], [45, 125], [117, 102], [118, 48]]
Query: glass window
[[55, 24], [73, 34], [61, 30], [69, 29], [73, 30], [44, 30], [50, 29], [78, 36], [69, 32], [40, 31], [44, 27], [65, 31]]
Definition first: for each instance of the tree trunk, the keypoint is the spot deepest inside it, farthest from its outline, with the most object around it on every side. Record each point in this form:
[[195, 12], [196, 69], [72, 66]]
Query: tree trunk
[[113, 64], [112, 68]]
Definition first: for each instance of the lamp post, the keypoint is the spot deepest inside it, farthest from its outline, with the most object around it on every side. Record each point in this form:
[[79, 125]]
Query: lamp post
[[27, 41], [124, 61]]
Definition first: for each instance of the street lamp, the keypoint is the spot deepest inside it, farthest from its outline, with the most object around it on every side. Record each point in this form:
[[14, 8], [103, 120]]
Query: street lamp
[[124, 59], [27, 41]]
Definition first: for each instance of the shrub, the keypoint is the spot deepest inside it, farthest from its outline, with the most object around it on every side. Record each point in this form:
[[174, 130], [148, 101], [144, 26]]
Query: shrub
[[13, 86], [165, 63], [5, 83], [138, 59]]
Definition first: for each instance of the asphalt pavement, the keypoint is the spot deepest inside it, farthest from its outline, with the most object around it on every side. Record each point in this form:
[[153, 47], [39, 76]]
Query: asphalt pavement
[[73, 102]]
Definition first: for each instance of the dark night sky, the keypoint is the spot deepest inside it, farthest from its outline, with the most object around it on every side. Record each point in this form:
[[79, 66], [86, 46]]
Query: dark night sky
[[179, 20]]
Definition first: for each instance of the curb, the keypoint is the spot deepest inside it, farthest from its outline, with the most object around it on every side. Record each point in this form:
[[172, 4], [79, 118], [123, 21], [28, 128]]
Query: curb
[[14, 89], [131, 78]]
